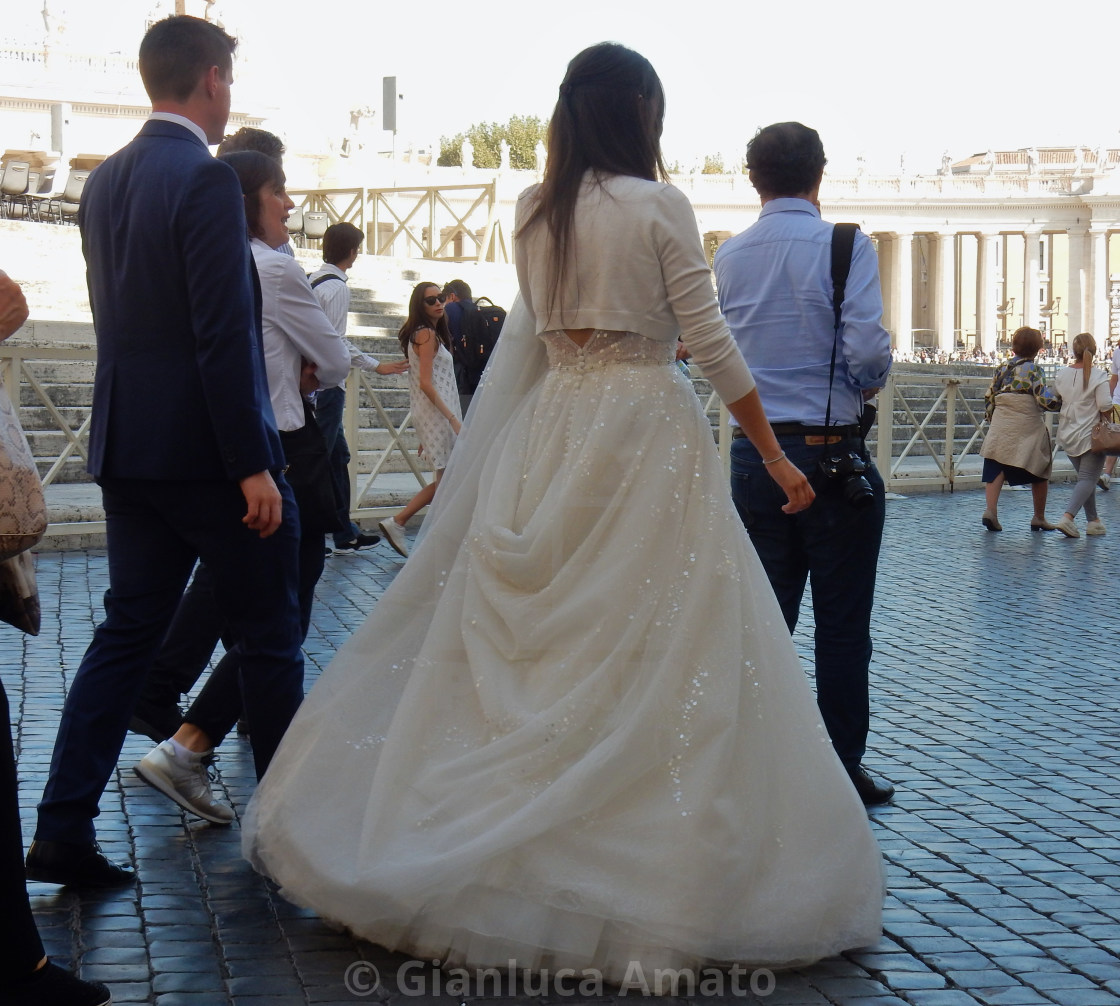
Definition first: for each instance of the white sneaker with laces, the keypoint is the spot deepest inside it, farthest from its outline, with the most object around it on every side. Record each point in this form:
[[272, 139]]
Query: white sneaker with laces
[[1105, 481], [183, 779], [394, 535], [1095, 528]]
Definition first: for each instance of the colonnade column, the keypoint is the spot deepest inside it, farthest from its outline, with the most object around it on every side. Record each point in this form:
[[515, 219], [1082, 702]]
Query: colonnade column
[[1031, 285], [986, 295], [1098, 266], [1075, 284], [946, 295], [902, 291]]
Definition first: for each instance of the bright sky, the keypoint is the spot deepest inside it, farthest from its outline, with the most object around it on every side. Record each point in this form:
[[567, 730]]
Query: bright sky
[[877, 77]]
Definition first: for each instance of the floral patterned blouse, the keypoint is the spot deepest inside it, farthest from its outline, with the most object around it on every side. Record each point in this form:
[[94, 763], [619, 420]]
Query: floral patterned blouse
[[1021, 376]]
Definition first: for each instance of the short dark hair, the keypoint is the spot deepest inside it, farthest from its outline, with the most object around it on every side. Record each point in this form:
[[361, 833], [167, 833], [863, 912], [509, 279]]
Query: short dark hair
[[459, 287], [254, 171], [785, 159], [251, 138], [339, 242], [1026, 342], [177, 51]]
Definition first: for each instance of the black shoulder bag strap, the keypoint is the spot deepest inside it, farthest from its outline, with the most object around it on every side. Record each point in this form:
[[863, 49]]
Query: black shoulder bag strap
[[322, 279], [843, 240]]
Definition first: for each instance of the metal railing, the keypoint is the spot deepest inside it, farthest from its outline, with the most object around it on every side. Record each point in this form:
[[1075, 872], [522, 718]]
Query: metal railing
[[456, 223], [927, 435], [18, 365]]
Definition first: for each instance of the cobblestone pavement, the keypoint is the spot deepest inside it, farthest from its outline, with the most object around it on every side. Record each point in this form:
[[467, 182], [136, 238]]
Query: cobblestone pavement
[[995, 713]]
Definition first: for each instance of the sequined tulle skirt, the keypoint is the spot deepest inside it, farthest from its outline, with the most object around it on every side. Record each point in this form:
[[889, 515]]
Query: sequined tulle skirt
[[596, 744]]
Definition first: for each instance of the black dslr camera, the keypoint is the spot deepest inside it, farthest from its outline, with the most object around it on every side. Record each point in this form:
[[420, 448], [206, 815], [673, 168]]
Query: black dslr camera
[[846, 472]]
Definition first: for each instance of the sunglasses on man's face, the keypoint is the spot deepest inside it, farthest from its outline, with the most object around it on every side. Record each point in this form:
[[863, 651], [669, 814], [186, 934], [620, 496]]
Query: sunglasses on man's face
[[432, 301]]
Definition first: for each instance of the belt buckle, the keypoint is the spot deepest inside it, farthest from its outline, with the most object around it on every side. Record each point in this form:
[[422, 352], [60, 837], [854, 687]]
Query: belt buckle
[[817, 440]]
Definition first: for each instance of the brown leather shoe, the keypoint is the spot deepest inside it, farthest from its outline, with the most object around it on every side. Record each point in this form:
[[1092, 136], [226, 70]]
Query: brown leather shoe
[[870, 792], [73, 865]]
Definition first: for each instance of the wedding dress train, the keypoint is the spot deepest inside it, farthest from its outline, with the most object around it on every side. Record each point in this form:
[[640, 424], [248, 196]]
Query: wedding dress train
[[574, 731]]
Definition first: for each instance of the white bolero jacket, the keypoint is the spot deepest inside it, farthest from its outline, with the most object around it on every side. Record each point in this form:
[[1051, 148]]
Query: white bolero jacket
[[636, 264]]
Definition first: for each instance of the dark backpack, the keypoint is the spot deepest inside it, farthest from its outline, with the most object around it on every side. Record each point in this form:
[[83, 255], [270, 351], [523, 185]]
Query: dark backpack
[[482, 324]]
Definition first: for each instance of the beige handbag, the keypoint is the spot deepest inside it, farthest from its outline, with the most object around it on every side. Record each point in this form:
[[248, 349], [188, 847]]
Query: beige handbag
[[1106, 434], [23, 509]]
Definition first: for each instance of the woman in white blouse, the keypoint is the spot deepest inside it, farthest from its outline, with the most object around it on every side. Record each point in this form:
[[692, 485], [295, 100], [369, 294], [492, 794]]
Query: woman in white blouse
[[303, 352], [1085, 401]]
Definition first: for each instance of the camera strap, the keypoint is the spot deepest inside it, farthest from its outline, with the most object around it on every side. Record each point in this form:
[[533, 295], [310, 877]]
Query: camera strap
[[843, 241]]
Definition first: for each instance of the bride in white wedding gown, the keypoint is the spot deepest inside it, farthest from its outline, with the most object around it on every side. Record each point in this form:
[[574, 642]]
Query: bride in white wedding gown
[[574, 731]]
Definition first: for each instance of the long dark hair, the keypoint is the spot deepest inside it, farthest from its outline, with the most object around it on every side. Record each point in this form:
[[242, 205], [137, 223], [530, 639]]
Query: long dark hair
[[254, 171], [418, 319], [607, 119]]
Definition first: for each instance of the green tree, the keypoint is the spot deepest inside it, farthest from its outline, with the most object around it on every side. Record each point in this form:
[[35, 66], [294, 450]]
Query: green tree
[[713, 165], [521, 132]]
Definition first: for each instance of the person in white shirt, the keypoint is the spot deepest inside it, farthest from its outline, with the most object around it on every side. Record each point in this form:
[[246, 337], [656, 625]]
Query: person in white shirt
[[342, 243], [1085, 398], [1105, 481], [302, 352]]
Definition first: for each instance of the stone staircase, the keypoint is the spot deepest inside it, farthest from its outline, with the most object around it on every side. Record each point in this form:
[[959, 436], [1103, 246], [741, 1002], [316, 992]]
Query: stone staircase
[[373, 326]]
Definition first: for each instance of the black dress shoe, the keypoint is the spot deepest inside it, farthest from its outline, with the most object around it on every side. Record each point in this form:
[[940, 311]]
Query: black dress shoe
[[51, 986], [870, 791], [74, 865]]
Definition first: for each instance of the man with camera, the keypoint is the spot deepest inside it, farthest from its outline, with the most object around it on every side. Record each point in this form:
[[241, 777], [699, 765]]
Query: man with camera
[[814, 378]]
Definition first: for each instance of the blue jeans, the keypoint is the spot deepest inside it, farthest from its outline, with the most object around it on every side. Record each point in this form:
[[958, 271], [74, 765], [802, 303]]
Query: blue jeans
[[329, 405], [835, 546]]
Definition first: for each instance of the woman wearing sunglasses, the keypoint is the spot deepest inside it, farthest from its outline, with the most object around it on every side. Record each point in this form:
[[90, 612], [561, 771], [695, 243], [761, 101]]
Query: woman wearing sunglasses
[[433, 398]]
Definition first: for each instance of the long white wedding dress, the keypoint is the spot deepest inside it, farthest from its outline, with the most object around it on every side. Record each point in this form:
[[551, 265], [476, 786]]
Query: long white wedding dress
[[575, 731]]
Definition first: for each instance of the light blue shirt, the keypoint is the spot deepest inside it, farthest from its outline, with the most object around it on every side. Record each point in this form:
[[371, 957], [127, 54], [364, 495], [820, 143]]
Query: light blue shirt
[[775, 289]]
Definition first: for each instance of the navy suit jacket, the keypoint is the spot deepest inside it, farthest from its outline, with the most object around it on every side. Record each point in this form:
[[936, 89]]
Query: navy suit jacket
[[180, 390]]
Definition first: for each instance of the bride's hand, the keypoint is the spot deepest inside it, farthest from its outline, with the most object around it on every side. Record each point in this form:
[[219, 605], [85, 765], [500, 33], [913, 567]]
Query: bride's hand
[[794, 484]]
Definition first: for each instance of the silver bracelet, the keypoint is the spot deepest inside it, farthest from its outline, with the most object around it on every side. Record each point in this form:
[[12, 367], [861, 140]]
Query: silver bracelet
[[774, 461]]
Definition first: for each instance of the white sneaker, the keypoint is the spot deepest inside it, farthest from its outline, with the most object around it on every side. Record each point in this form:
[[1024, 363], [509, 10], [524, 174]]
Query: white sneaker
[[1068, 528], [1105, 481], [394, 535], [1095, 528], [183, 779]]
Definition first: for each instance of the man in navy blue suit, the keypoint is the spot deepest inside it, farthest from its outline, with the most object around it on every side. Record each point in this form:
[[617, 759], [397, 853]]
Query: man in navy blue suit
[[182, 442]]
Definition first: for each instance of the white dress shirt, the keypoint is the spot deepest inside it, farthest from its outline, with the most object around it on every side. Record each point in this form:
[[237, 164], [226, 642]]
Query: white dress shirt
[[295, 328], [335, 298]]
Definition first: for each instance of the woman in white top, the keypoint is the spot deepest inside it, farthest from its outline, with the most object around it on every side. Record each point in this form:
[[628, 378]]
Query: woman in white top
[[574, 732], [302, 352], [426, 341], [1085, 400]]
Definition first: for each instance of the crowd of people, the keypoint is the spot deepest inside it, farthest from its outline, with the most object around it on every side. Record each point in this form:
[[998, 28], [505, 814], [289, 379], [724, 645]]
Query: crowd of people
[[1049, 355], [581, 686]]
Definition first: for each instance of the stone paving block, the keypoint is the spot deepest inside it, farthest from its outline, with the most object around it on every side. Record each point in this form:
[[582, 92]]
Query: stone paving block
[[131, 992], [986, 979], [1014, 996], [116, 955], [275, 987], [941, 997], [191, 981], [1083, 997], [908, 980], [115, 972]]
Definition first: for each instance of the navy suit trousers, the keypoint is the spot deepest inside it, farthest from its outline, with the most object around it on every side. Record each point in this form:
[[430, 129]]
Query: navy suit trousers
[[835, 546]]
